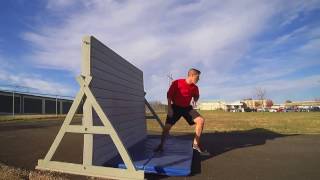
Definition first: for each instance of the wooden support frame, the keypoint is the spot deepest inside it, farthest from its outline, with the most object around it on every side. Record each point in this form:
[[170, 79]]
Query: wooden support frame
[[88, 130], [154, 114]]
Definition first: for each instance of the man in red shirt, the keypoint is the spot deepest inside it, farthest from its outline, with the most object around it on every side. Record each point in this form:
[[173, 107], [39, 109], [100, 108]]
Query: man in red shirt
[[179, 97]]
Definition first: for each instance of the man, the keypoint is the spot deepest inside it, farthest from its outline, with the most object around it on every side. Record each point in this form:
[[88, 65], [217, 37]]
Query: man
[[179, 97]]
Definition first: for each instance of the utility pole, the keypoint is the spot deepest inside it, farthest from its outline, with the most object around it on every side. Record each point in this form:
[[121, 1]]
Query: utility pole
[[170, 79]]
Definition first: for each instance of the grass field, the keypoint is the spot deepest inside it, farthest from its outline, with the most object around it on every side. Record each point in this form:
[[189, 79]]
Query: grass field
[[10, 118], [216, 121], [219, 121]]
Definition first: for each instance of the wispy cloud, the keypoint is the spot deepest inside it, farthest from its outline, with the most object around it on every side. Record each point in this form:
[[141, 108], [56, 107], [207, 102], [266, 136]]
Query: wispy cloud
[[151, 31], [169, 36], [32, 82], [295, 9], [279, 90], [312, 46]]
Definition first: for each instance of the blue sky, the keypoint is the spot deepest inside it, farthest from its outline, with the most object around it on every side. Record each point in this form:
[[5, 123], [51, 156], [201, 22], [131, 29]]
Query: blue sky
[[238, 46]]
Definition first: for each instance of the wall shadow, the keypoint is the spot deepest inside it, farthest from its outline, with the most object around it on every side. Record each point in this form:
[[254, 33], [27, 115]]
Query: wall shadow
[[218, 143]]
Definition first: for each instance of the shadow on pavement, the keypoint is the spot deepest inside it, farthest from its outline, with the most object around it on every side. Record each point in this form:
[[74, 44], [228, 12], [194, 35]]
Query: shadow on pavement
[[218, 143]]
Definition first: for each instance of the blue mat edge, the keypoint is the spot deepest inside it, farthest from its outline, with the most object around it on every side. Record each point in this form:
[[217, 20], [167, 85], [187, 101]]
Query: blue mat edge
[[164, 170]]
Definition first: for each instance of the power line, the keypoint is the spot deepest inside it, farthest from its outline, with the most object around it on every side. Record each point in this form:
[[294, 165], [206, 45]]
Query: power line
[[28, 91]]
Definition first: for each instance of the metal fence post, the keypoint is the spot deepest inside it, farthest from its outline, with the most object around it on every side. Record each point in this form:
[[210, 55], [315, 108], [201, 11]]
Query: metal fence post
[[13, 103], [56, 105]]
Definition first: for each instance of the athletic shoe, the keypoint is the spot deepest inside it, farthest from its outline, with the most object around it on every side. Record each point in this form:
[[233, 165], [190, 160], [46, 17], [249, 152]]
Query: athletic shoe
[[200, 149], [158, 149]]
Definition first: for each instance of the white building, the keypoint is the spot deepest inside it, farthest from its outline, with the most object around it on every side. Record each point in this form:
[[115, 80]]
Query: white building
[[212, 105], [236, 106]]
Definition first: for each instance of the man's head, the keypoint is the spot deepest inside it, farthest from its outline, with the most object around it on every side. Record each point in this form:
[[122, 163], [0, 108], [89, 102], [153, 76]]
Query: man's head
[[194, 75]]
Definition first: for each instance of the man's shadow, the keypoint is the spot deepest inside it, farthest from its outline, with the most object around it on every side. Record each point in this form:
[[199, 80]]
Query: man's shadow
[[220, 142]]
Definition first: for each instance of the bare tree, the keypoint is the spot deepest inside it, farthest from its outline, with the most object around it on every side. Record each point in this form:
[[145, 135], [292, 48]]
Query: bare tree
[[288, 101], [269, 103], [170, 79], [261, 94]]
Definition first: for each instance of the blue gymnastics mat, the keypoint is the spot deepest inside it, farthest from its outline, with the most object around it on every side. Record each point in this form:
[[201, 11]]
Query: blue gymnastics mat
[[175, 160]]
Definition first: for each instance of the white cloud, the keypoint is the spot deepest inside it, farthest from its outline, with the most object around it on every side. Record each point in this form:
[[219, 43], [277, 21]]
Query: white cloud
[[287, 37], [312, 46], [160, 36], [34, 83], [30, 82], [58, 4], [36, 86], [273, 87], [296, 8], [149, 33]]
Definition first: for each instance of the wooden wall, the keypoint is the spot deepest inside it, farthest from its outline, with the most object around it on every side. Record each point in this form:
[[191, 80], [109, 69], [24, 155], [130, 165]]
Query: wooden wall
[[118, 88]]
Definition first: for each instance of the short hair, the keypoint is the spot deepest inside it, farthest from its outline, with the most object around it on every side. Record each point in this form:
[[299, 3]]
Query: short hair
[[193, 70]]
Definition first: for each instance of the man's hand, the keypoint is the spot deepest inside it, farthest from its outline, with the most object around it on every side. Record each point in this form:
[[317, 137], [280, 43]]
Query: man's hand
[[170, 111], [194, 101], [194, 104]]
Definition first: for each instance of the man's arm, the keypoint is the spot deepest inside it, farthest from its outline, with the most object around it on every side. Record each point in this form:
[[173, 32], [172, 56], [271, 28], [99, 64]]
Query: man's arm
[[169, 102], [170, 95], [196, 97], [194, 102], [169, 107]]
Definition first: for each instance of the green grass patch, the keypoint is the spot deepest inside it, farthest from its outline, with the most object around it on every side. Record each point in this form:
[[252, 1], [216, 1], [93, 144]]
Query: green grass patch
[[219, 121]]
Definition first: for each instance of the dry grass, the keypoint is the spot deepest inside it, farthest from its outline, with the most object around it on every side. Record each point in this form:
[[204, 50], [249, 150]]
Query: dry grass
[[7, 173], [10, 118], [284, 123], [12, 173]]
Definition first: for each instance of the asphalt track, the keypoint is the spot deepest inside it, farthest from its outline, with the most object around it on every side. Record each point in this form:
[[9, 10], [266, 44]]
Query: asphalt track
[[241, 155]]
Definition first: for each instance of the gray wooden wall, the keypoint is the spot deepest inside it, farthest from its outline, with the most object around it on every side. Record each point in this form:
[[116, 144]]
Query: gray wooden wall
[[118, 88]]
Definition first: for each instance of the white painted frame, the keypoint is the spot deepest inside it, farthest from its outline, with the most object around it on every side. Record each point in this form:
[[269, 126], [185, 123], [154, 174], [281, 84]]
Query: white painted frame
[[89, 130]]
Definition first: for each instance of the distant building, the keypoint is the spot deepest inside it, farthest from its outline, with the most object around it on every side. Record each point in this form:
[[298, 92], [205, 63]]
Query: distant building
[[236, 106], [303, 103], [23, 103], [212, 105], [278, 106], [255, 103], [303, 106]]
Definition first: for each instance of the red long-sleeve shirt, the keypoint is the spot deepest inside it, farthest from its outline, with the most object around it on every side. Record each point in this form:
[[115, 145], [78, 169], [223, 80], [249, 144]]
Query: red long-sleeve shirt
[[181, 93]]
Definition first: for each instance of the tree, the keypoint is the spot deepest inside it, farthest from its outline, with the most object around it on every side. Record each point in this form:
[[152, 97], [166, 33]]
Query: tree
[[269, 103], [288, 101], [261, 94]]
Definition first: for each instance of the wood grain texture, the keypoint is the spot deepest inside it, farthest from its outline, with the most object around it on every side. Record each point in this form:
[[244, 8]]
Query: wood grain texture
[[118, 87]]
